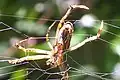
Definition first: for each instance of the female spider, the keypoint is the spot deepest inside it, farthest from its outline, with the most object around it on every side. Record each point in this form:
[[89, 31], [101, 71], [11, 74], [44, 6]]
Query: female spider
[[62, 42]]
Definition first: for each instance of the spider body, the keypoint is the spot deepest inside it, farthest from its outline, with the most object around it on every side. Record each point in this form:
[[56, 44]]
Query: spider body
[[62, 42]]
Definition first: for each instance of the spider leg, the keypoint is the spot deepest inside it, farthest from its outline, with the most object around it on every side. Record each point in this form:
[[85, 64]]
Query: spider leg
[[28, 58], [30, 49], [68, 12], [62, 21], [88, 39], [47, 35]]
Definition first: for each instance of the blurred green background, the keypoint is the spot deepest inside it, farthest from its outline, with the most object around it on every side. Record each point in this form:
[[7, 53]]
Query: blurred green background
[[33, 17]]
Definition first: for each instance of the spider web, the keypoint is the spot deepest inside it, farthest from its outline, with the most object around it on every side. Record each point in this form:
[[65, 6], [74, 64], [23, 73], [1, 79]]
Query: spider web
[[28, 69]]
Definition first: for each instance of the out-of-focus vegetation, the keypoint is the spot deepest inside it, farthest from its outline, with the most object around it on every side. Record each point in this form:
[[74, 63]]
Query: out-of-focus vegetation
[[33, 17]]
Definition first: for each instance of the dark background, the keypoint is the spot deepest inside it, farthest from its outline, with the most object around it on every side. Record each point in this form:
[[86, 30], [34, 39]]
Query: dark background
[[33, 17]]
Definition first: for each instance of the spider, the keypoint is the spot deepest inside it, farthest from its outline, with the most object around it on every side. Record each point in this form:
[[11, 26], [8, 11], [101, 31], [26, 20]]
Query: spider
[[61, 45]]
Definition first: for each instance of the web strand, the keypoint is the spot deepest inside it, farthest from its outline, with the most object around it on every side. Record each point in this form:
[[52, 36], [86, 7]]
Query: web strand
[[94, 74], [47, 19]]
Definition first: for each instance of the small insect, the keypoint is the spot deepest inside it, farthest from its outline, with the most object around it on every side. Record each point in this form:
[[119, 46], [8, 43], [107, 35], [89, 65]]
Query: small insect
[[61, 45]]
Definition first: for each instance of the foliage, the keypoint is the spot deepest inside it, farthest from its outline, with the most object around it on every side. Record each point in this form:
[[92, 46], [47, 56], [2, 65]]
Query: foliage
[[33, 17]]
